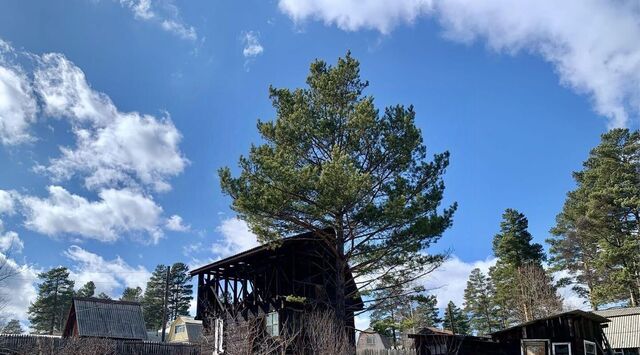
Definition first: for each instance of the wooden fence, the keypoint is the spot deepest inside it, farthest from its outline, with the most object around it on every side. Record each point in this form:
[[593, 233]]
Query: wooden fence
[[50, 345], [386, 352]]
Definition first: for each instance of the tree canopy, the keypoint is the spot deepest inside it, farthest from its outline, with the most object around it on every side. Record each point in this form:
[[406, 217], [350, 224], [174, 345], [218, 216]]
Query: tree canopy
[[47, 313]]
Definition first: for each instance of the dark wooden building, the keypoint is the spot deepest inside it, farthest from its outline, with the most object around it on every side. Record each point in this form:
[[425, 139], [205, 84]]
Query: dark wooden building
[[569, 333], [433, 341], [276, 282], [101, 318]]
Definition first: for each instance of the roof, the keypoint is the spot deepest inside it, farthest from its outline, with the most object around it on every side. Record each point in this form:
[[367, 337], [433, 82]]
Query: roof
[[624, 329], [575, 313], [106, 319], [386, 342], [434, 330]]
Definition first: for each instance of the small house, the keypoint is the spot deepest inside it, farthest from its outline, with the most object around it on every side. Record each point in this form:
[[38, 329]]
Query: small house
[[369, 339], [570, 333], [623, 330], [102, 318], [184, 330], [434, 341]]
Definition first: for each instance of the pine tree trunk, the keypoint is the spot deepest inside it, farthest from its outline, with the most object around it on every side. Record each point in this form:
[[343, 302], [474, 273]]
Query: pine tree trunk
[[55, 308], [340, 278]]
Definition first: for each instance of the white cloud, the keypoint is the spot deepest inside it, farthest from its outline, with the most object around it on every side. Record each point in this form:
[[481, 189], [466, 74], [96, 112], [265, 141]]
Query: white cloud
[[353, 15], [112, 148], [176, 224], [116, 212], [17, 105], [164, 13], [448, 282], [109, 276], [236, 237], [7, 202], [252, 47], [10, 241], [601, 59], [19, 289]]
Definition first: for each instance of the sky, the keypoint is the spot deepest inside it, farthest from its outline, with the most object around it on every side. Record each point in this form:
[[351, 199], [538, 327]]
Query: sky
[[116, 115]]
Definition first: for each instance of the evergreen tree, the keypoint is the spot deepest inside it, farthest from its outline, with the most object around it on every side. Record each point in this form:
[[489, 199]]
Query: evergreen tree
[[427, 312], [180, 291], [479, 303], [87, 290], [332, 161], [103, 296], [132, 294], [13, 327], [47, 314], [517, 256], [153, 299], [455, 319], [597, 235]]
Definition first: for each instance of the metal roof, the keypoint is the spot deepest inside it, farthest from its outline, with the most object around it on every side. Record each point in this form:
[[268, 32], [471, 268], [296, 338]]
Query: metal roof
[[108, 318], [624, 329], [576, 312]]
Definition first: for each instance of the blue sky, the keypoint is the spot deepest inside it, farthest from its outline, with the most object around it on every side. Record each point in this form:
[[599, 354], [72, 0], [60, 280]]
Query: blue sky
[[115, 116]]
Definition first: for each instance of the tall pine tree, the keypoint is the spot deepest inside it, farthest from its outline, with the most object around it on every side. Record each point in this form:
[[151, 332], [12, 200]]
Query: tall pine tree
[[330, 160], [597, 237], [153, 299], [479, 303], [180, 291], [47, 314], [87, 290], [455, 319]]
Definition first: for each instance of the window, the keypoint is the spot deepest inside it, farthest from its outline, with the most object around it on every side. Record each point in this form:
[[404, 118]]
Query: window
[[561, 348], [180, 328], [589, 348], [371, 340], [272, 322]]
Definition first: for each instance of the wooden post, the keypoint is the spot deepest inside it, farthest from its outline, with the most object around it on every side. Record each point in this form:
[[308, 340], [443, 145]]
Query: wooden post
[[164, 308]]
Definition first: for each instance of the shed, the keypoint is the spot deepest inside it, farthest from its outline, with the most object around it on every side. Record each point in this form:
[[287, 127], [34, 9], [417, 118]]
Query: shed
[[185, 330], [369, 339], [101, 318], [434, 341], [569, 333], [623, 331]]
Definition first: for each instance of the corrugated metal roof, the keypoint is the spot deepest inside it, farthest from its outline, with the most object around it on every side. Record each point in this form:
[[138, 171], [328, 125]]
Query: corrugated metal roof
[[109, 319], [624, 327]]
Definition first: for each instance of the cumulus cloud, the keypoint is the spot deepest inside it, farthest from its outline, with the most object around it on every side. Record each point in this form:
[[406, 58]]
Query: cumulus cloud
[[176, 224], [115, 212], [17, 105], [252, 47], [601, 60], [113, 148], [110, 276], [163, 13], [7, 202], [21, 283], [10, 241], [236, 237]]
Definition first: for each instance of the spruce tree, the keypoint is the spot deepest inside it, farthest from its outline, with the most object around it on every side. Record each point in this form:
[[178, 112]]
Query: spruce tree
[[455, 319], [427, 313], [47, 314], [479, 303], [87, 290], [180, 291], [153, 299], [132, 294], [13, 327], [597, 237], [331, 160]]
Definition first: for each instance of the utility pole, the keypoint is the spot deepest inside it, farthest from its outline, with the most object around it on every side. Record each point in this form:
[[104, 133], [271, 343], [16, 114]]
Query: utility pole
[[164, 308]]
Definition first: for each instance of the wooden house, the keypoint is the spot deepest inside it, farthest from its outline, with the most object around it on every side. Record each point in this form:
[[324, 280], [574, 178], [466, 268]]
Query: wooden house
[[623, 330], [102, 318], [569, 333], [276, 283], [434, 341], [369, 339], [184, 330]]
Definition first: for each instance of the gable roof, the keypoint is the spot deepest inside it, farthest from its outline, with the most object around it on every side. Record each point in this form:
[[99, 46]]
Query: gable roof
[[386, 342], [106, 319], [575, 312]]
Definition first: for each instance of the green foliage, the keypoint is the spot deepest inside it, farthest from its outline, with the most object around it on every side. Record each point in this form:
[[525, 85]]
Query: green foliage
[[455, 319], [48, 312], [180, 291], [153, 300], [330, 159], [132, 294], [87, 290], [103, 296], [597, 234], [13, 327], [480, 305]]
